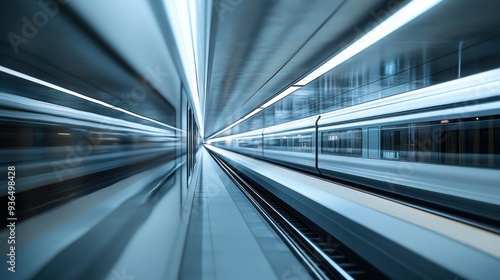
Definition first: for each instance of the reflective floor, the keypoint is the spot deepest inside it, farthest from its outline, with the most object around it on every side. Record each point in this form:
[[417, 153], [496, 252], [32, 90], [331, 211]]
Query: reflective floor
[[228, 238], [154, 225]]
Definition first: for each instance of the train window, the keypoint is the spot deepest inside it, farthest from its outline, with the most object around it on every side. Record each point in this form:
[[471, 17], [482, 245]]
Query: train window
[[12, 136], [396, 142], [465, 142], [342, 142], [253, 143], [223, 143], [25, 136], [423, 142], [295, 143], [273, 142], [469, 143], [302, 143]]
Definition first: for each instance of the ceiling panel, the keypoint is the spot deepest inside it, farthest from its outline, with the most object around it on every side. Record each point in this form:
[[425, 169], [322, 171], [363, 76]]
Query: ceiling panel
[[257, 48], [426, 51]]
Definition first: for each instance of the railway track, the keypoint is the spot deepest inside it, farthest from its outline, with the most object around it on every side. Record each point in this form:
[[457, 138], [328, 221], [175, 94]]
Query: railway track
[[325, 256], [473, 219]]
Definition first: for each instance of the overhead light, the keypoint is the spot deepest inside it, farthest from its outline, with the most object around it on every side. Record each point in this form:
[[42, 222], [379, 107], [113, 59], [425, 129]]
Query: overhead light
[[391, 24], [237, 122], [225, 138], [252, 113], [183, 19], [63, 134], [280, 96], [70, 92]]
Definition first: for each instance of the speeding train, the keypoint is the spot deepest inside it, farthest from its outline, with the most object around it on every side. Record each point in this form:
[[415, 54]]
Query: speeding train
[[439, 144], [49, 143]]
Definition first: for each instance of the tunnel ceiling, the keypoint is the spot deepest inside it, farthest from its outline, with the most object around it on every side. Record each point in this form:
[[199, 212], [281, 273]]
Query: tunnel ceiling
[[258, 49], [255, 50]]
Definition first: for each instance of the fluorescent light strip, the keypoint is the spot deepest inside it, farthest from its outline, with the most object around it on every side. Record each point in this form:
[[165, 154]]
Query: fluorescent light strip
[[391, 24], [225, 138], [280, 96], [238, 122], [252, 113], [70, 92], [182, 18]]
